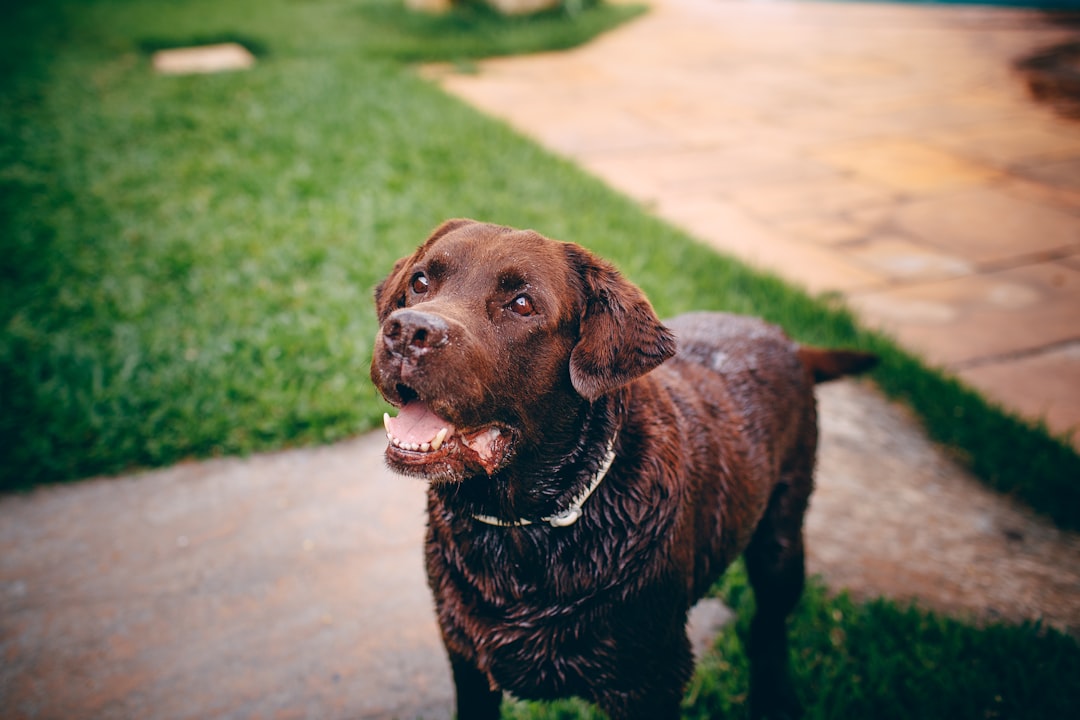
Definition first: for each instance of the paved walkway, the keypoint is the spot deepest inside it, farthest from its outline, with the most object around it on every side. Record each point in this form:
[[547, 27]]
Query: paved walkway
[[888, 153], [291, 585]]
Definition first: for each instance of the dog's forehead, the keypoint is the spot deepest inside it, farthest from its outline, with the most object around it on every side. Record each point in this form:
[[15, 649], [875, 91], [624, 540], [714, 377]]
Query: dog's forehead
[[501, 254]]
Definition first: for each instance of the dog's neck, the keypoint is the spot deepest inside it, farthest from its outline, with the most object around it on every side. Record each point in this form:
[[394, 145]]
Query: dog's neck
[[572, 512], [546, 484]]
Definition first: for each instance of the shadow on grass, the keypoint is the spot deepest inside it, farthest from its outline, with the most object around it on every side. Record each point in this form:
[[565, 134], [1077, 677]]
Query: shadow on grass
[[255, 46], [473, 30]]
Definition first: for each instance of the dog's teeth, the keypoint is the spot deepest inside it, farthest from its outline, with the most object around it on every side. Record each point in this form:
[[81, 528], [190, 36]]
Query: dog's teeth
[[439, 438], [434, 444]]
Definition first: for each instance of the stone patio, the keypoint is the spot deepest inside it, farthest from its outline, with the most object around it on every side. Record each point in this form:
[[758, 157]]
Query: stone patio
[[890, 153]]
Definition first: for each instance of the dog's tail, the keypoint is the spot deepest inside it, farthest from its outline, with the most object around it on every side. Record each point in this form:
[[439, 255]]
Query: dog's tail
[[830, 364]]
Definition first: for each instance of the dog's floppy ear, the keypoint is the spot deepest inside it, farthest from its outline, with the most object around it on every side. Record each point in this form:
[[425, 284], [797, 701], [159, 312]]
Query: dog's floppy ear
[[390, 292], [620, 338]]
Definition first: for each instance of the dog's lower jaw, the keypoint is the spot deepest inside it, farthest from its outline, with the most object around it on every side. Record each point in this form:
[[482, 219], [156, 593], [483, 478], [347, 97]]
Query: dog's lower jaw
[[456, 457]]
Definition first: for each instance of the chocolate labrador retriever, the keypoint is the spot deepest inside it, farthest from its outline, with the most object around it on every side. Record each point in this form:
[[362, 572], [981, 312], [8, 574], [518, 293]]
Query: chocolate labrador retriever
[[588, 483]]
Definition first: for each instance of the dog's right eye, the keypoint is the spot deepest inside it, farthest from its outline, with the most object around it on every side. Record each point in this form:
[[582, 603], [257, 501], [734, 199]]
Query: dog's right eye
[[419, 283]]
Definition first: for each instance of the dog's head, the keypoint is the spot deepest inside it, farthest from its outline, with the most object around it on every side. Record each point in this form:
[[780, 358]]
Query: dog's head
[[490, 336]]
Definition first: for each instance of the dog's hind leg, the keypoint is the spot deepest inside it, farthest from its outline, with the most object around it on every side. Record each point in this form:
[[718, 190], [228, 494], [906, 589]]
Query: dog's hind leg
[[776, 567]]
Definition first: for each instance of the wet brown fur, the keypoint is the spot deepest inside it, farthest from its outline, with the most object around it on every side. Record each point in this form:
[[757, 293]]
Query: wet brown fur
[[714, 458]]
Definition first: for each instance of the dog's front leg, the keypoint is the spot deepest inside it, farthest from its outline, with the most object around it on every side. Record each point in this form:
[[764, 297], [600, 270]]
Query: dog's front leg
[[649, 681], [475, 698]]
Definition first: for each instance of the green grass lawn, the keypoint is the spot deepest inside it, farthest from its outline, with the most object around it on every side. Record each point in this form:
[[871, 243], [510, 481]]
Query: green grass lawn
[[876, 660], [189, 261], [889, 662]]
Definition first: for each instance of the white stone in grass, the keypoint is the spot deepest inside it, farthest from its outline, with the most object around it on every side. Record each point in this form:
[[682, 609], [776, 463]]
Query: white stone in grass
[[523, 7], [203, 59], [435, 7]]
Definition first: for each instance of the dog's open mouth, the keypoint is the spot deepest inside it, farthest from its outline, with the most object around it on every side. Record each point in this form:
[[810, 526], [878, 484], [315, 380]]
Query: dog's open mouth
[[422, 443]]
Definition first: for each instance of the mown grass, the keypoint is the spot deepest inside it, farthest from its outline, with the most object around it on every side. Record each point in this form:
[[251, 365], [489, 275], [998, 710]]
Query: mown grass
[[876, 660]]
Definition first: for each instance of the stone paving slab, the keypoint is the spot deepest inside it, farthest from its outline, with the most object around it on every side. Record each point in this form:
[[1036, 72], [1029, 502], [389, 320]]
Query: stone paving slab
[[876, 150], [908, 166], [900, 259], [731, 230], [990, 227], [966, 321], [203, 59], [1023, 381]]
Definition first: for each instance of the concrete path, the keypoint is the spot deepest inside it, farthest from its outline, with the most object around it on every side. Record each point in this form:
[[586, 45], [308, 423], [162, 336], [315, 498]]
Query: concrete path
[[291, 585], [287, 585], [888, 153]]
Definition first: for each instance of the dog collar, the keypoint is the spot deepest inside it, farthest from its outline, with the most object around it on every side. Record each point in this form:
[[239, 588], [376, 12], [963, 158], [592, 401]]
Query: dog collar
[[571, 514]]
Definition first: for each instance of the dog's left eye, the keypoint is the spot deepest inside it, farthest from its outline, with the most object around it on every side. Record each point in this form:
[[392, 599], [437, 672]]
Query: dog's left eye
[[522, 305]]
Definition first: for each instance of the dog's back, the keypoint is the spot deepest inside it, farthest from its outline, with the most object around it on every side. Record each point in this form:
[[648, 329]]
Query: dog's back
[[753, 370], [747, 420], [755, 417]]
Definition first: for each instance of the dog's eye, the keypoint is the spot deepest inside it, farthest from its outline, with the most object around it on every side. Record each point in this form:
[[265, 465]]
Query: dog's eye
[[419, 283], [522, 305]]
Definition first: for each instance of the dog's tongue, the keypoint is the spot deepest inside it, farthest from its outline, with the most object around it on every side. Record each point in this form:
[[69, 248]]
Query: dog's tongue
[[415, 423]]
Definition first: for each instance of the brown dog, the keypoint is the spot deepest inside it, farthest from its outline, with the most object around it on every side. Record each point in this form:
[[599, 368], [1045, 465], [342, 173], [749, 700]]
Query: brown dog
[[584, 493]]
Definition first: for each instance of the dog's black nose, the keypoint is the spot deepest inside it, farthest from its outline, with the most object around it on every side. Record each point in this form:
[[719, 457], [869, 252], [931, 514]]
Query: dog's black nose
[[413, 332]]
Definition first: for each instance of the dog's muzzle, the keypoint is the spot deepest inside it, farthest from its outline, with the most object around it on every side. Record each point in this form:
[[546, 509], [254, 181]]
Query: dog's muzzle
[[411, 334]]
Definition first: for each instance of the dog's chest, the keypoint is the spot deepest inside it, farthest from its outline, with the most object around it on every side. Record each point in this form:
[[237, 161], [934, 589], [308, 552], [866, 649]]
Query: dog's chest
[[539, 627], [544, 653]]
